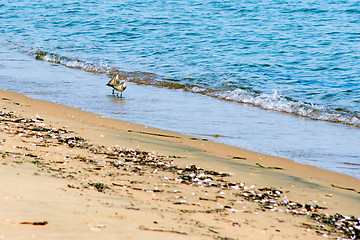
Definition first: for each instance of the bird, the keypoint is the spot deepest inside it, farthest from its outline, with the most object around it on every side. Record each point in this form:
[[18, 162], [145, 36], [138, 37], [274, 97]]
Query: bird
[[116, 85]]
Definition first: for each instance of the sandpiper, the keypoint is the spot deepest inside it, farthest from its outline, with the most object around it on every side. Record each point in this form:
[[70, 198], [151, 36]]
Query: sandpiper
[[116, 85]]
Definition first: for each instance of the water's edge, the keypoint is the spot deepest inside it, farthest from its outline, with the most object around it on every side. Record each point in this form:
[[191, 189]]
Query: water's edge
[[274, 101], [323, 144]]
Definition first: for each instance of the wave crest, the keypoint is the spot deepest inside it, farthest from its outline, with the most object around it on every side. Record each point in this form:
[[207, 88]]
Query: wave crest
[[72, 63], [276, 102]]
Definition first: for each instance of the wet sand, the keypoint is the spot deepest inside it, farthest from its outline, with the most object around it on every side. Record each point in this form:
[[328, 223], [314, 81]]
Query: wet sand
[[70, 174]]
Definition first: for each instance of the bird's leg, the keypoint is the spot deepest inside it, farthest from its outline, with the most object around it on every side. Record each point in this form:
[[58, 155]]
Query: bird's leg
[[113, 92]]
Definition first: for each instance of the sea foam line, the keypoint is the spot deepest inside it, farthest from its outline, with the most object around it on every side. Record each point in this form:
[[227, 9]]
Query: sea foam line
[[267, 101], [72, 63], [276, 102]]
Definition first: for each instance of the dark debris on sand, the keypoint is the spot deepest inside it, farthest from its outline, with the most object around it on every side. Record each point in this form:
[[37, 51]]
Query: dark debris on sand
[[146, 163]]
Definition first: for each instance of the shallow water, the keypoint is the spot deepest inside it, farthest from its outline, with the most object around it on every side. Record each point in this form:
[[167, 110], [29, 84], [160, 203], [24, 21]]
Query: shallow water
[[326, 145]]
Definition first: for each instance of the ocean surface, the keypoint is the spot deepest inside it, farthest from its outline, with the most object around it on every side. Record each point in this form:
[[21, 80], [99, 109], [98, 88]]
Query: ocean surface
[[277, 77]]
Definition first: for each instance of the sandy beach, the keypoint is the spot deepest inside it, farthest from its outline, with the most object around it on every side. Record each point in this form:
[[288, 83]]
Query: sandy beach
[[70, 174]]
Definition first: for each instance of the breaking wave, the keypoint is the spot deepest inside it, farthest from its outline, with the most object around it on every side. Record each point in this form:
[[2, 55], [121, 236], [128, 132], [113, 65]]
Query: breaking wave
[[72, 63], [268, 101], [276, 102]]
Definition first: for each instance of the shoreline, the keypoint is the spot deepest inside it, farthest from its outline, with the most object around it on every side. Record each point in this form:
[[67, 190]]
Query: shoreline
[[231, 153], [235, 124], [304, 183]]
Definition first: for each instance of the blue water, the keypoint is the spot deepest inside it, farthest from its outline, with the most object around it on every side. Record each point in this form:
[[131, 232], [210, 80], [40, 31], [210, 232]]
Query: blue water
[[298, 59]]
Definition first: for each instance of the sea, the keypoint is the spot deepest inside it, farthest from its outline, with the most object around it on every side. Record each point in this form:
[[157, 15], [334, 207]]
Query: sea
[[276, 77]]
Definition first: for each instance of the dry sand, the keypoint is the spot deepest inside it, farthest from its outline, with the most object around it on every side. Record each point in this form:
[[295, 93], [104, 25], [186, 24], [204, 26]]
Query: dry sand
[[69, 174]]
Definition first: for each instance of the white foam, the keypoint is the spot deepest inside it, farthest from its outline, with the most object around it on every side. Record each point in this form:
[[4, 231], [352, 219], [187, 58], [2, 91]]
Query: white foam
[[74, 63], [275, 102], [197, 89]]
